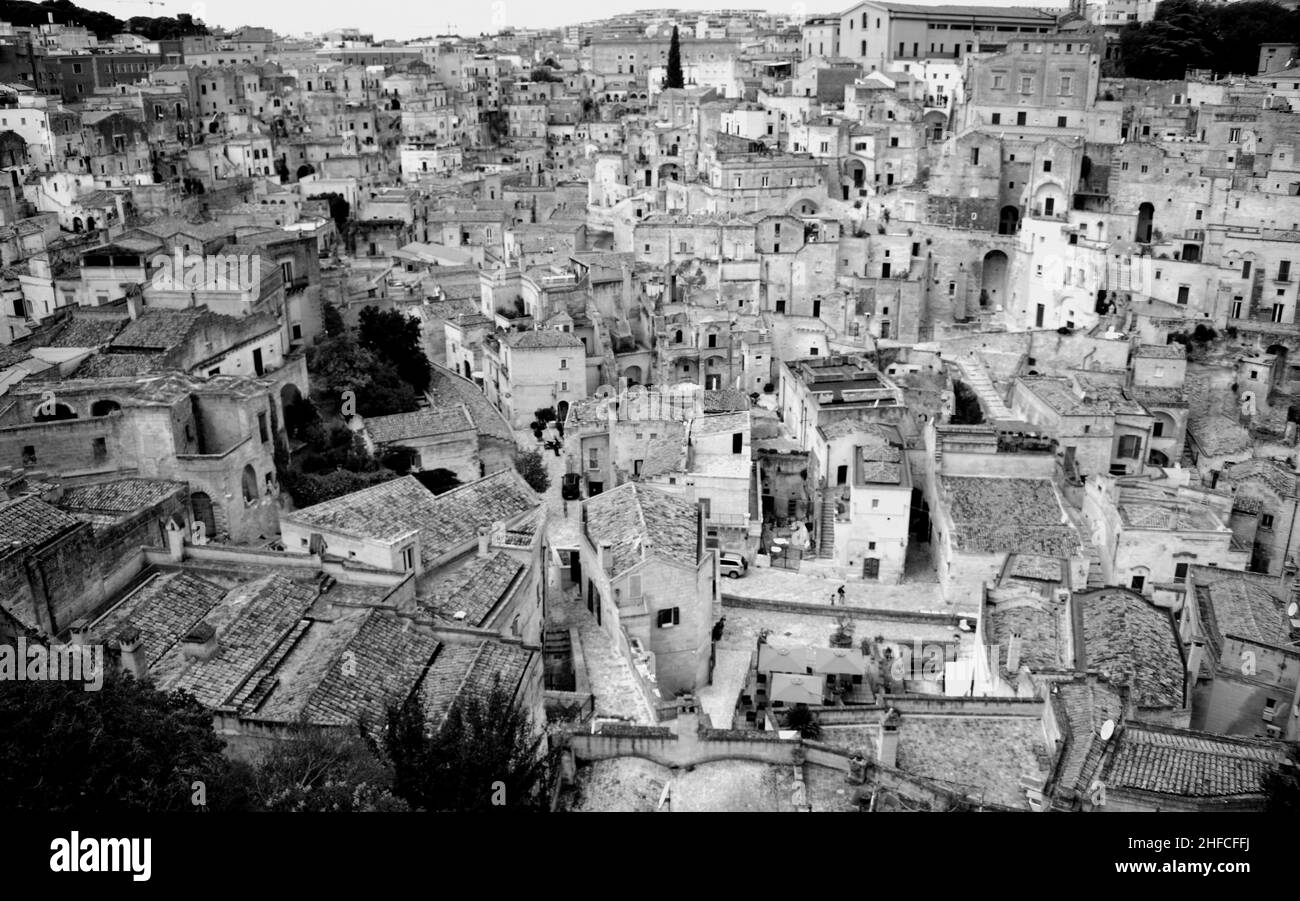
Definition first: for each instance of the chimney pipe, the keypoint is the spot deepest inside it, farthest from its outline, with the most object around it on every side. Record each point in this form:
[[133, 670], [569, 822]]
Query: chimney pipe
[[605, 556], [887, 748], [484, 541], [200, 643], [131, 645]]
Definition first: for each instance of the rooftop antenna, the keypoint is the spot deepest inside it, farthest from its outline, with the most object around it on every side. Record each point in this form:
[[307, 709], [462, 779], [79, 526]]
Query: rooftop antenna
[[1107, 730]]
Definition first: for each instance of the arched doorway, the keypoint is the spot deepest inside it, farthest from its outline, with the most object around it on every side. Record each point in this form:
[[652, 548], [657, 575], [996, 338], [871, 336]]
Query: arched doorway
[[305, 170], [1156, 458], [201, 504], [993, 278], [249, 482], [469, 373], [562, 412], [1009, 220], [1146, 220], [857, 171], [49, 411], [104, 407], [670, 172], [90, 223], [77, 224], [633, 375]]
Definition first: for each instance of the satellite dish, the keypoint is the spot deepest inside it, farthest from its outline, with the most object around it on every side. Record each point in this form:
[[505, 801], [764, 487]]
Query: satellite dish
[[1293, 610], [964, 624], [1107, 730]]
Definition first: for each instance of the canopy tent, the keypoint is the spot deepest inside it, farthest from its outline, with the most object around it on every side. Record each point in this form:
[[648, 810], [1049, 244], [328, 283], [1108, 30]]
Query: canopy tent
[[791, 688]]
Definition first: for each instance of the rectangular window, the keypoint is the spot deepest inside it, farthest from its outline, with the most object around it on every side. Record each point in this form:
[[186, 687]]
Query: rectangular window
[[1067, 85], [1245, 269], [99, 447], [1183, 293], [1026, 84], [1284, 271], [737, 442], [261, 427], [1180, 572], [1129, 446], [669, 617], [29, 454], [1266, 521], [1138, 583], [408, 559], [564, 364], [1022, 118]]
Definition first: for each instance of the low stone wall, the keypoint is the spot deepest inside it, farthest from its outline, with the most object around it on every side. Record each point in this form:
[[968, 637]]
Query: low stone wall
[[661, 746], [929, 619]]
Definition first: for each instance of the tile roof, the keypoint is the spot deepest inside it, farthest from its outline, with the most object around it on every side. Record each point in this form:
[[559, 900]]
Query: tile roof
[[1037, 622], [120, 496], [448, 389], [88, 331], [382, 663], [1098, 400], [475, 588], [160, 329], [1238, 605], [632, 517], [445, 521], [1217, 435], [30, 522], [1174, 351], [1190, 764], [543, 339], [251, 623], [1082, 708], [1279, 478], [164, 610], [986, 755], [107, 366], [430, 423], [996, 515], [1036, 566], [462, 671], [724, 400], [1131, 641]]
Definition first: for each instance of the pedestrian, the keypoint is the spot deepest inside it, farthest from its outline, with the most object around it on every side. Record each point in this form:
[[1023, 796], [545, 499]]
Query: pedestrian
[[841, 593]]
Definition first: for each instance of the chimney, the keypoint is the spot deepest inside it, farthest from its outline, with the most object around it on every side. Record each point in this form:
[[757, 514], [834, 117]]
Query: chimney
[[131, 644], [887, 748], [605, 556], [646, 544], [200, 643], [175, 540], [484, 541], [1194, 657], [79, 632]]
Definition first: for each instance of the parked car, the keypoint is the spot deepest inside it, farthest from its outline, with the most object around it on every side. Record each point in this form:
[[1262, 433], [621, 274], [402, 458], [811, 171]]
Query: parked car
[[732, 565], [571, 486]]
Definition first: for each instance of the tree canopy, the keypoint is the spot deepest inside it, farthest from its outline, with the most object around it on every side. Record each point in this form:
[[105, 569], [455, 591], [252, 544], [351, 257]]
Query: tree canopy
[[126, 747], [533, 469], [675, 78], [395, 339], [487, 755], [1191, 34]]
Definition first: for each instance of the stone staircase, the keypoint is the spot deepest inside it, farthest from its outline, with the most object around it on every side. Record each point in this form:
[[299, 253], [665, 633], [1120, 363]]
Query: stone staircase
[[1095, 577], [826, 529], [977, 378]]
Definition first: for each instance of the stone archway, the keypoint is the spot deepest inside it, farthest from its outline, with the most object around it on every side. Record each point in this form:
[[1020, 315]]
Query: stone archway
[[53, 412], [632, 374], [993, 278], [104, 407], [201, 504], [1009, 220], [1145, 223]]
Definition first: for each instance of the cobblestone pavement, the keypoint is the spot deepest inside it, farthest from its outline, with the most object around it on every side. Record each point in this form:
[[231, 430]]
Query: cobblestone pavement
[[809, 588]]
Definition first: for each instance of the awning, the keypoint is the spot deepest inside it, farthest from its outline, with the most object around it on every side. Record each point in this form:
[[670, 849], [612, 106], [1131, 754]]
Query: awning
[[787, 659], [839, 661], [790, 688]]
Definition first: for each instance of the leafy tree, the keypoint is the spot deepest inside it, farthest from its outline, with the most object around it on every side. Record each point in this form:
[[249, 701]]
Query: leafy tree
[[339, 208], [968, 410], [1282, 787], [675, 78], [804, 721], [1190, 34], [341, 364], [545, 415], [395, 338], [533, 469], [332, 320], [308, 488], [126, 747], [484, 740], [321, 770]]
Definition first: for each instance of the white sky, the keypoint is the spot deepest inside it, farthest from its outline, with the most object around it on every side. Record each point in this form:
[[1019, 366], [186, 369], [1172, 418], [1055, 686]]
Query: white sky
[[403, 19]]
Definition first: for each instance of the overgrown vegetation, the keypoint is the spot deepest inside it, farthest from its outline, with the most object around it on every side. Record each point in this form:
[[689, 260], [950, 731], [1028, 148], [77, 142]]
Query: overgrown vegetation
[[533, 469], [1188, 34], [804, 721], [967, 405]]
